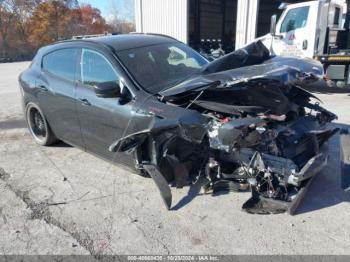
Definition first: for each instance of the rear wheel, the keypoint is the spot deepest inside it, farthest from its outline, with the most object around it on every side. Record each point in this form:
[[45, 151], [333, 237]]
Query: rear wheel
[[38, 126]]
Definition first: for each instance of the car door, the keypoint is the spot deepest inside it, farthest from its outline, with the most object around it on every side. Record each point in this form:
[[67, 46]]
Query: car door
[[296, 30], [102, 120], [56, 93]]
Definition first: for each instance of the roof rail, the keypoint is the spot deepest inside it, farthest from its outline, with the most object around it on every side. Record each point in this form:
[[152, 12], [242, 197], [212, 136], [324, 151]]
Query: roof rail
[[89, 36], [72, 40], [155, 34]]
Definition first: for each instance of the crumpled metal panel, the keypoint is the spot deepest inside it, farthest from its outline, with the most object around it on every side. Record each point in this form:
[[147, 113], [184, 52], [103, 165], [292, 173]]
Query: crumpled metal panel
[[245, 121]]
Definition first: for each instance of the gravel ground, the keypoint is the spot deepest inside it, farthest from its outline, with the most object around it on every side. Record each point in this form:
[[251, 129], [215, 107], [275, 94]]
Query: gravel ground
[[61, 200]]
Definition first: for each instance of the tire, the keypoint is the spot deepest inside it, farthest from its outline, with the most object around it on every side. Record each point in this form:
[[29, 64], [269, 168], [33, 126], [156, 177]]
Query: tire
[[38, 126]]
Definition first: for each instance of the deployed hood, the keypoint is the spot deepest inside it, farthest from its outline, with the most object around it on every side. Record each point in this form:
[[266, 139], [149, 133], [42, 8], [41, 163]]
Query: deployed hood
[[252, 54], [249, 77]]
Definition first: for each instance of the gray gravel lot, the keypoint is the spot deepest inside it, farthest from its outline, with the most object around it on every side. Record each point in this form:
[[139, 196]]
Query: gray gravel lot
[[61, 200]]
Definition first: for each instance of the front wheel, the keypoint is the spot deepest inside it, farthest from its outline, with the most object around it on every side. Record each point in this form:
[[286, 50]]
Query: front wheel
[[38, 126]]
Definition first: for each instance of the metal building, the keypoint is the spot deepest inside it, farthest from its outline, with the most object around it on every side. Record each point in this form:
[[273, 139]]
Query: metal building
[[235, 22]]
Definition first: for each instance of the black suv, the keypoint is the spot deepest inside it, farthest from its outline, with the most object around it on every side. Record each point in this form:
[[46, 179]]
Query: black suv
[[153, 103]]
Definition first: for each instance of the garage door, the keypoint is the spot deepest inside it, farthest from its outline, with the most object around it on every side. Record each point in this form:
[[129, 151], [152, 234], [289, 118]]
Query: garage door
[[169, 17]]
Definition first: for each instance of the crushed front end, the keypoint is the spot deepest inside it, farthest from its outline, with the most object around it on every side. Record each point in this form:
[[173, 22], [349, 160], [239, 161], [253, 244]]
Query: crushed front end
[[247, 123]]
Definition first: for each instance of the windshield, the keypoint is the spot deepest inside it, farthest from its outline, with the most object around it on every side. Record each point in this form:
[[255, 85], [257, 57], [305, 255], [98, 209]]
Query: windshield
[[159, 67]]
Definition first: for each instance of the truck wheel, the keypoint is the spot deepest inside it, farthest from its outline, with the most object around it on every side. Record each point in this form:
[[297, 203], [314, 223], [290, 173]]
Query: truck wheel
[[340, 84]]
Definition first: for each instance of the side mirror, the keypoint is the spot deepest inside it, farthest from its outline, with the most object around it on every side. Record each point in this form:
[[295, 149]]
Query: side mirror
[[273, 25], [107, 89]]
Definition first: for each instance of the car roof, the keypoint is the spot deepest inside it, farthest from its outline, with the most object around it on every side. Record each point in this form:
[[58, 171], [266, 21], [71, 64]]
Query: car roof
[[114, 42], [129, 41]]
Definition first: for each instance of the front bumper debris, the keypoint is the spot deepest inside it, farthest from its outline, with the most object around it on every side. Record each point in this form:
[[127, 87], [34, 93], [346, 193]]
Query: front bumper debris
[[258, 204]]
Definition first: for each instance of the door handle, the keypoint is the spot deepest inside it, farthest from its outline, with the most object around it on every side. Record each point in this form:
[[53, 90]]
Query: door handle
[[43, 88], [85, 102]]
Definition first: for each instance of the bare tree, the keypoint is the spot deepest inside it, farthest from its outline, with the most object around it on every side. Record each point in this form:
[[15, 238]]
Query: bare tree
[[121, 17], [13, 18], [26, 25]]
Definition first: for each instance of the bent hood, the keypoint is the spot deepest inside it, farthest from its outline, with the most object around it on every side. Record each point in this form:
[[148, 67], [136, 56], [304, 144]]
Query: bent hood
[[249, 77]]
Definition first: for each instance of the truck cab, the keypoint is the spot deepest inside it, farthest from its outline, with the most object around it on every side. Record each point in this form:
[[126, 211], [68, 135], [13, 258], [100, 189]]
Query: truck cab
[[302, 28]]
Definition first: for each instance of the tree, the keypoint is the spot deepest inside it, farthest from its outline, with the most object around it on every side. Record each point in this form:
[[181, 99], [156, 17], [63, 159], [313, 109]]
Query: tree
[[51, 21], [26, 25], [6, 20], [14, 15], [91, 21], [120, 19]]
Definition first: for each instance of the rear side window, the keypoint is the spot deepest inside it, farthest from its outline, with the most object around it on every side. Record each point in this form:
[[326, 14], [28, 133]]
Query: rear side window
[[295, 18], [62, 63]]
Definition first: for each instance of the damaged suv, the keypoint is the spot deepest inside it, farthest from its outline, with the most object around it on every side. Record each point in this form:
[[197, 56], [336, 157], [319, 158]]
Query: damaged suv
[[242, 122]]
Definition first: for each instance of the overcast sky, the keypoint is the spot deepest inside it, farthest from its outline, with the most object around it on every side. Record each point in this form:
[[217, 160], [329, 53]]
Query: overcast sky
[[125, 8]]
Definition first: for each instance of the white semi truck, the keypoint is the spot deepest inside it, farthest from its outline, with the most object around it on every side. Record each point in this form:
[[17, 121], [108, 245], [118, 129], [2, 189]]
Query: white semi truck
[[318, 30]]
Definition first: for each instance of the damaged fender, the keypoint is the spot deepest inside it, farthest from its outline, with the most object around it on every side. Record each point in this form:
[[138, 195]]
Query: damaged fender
[[245, 121]]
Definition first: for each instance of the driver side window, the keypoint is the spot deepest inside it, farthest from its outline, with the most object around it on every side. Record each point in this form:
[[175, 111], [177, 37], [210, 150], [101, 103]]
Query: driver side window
[[294, 19], [95, 69]]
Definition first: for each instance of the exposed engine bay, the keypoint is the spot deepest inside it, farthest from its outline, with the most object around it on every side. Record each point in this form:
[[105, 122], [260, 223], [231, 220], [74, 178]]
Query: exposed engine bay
[[245, 123]]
